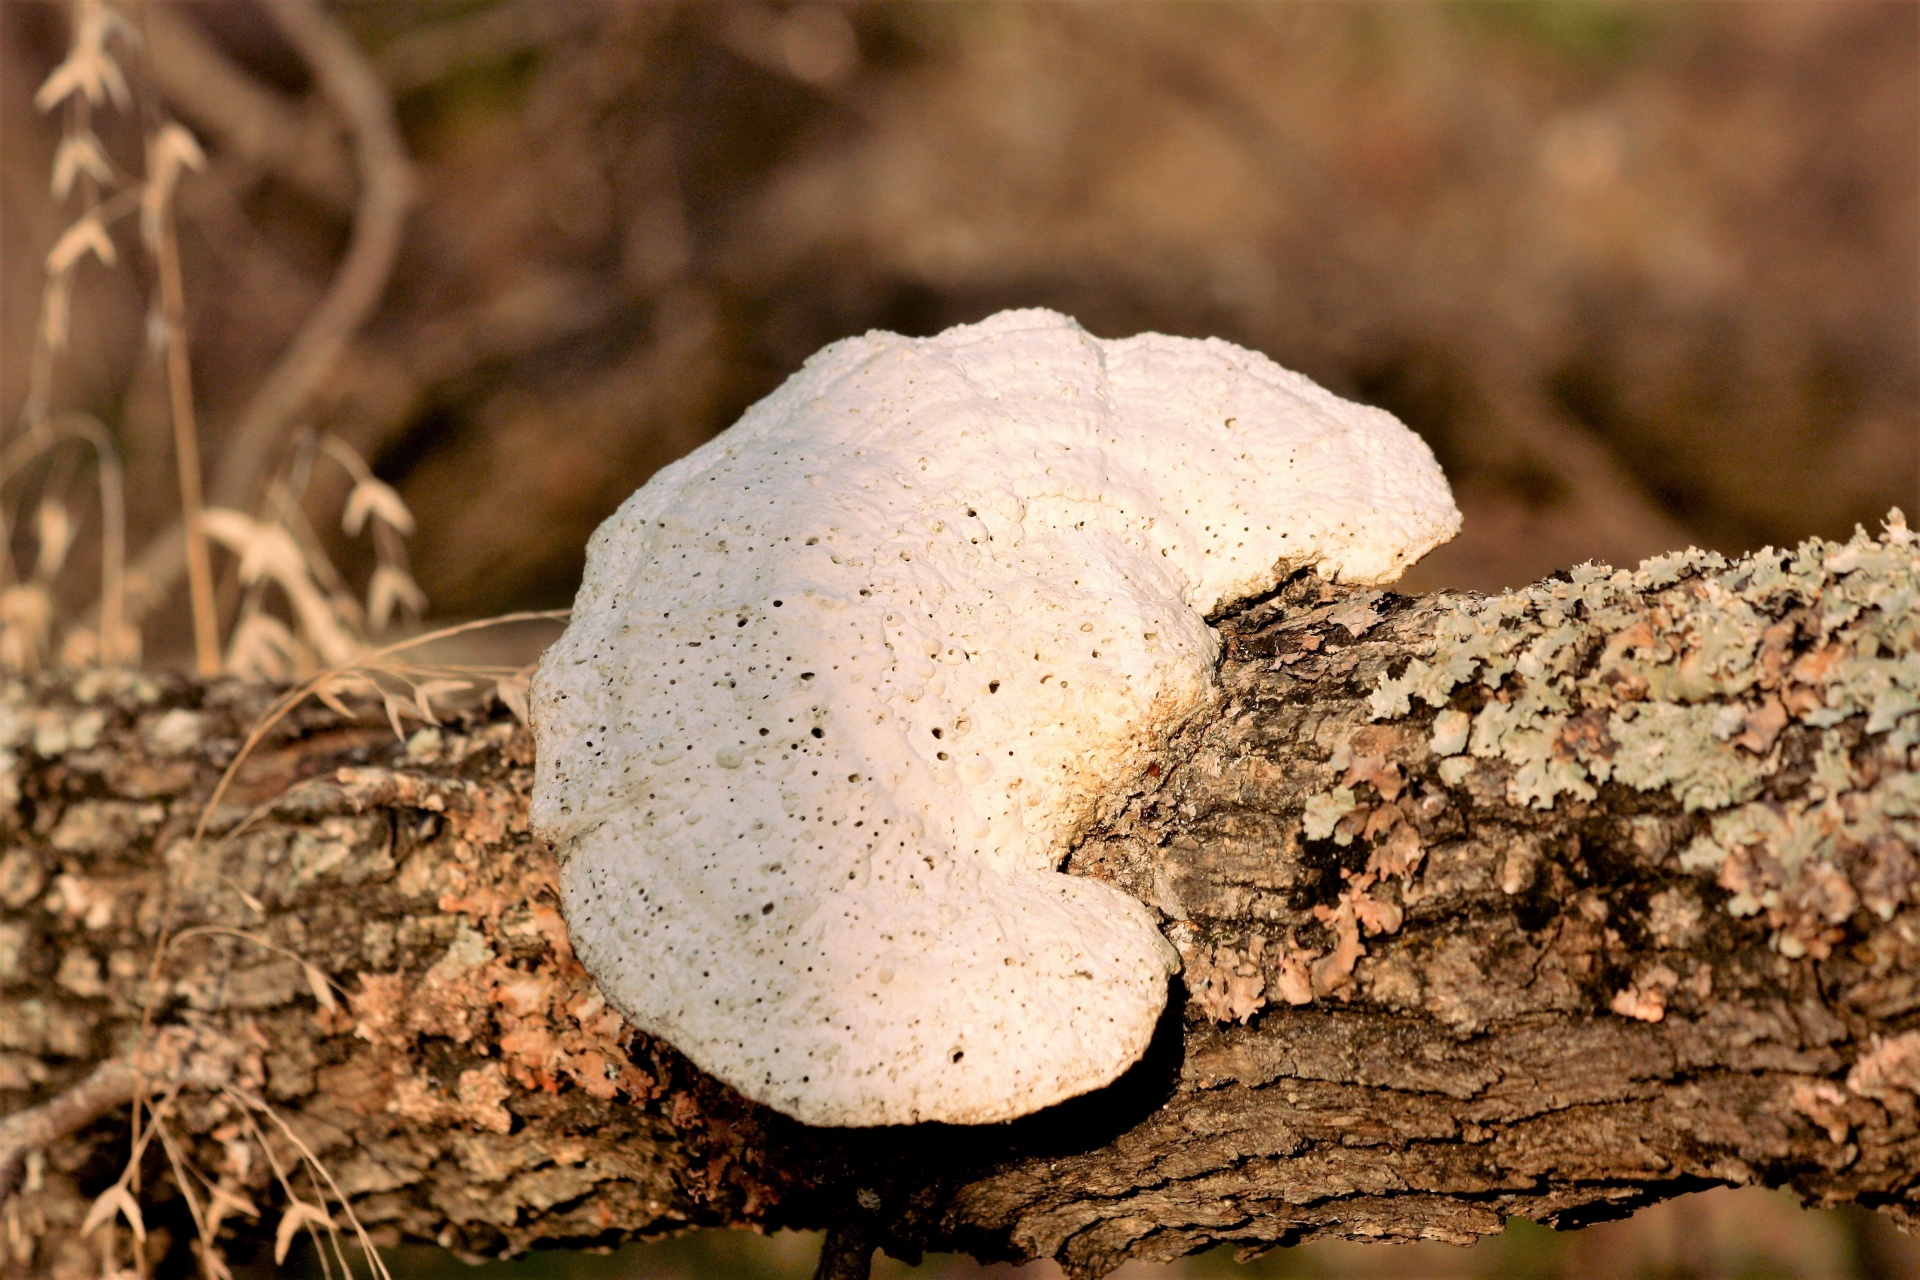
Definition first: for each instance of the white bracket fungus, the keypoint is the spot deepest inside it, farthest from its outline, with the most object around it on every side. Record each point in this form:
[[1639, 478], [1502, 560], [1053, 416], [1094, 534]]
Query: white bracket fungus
[[843, 685]]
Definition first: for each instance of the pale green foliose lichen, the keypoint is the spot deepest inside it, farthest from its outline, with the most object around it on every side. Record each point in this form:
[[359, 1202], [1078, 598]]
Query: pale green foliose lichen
[[1681, 677], [1663, 746]]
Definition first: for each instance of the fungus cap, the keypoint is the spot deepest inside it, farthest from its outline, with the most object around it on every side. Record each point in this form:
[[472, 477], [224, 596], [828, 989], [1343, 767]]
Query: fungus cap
[[842, 686]]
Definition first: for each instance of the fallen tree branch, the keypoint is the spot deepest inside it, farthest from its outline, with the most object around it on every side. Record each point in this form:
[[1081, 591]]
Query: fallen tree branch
[[1554, 904]]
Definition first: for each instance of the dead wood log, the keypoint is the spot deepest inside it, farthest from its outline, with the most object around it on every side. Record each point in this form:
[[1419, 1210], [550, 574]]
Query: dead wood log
[[1552, 904]]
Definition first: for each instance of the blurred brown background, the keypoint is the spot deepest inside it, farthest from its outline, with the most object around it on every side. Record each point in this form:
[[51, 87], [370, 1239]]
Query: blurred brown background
[[1643, 274]]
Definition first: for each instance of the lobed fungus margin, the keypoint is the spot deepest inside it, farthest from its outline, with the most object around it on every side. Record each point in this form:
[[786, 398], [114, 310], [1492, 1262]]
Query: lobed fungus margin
[[843, 686]]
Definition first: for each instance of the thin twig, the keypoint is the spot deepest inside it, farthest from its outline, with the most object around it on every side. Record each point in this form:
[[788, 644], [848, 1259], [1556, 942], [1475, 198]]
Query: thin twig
[[245, 118], [246, 1106], [84, 427], [177, 1160], [111, 1085], [353, 89], [186, 448], [113, 543], [318, 1171]]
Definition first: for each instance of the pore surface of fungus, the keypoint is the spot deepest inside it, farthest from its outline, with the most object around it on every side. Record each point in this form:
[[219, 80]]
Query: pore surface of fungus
[[842, 686]]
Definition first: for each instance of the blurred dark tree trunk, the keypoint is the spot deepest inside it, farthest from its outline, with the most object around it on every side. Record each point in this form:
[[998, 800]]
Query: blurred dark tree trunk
[[1633, 915]]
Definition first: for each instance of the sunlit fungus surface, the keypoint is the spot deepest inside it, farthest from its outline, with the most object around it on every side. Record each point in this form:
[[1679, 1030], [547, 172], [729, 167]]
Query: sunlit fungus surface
[[842, 686]]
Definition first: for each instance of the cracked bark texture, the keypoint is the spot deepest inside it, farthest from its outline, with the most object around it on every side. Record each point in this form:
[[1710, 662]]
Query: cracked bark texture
[[1553, 904]]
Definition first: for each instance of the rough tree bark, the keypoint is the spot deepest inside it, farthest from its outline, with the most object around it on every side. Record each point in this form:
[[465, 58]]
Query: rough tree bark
[[1552, 904]]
